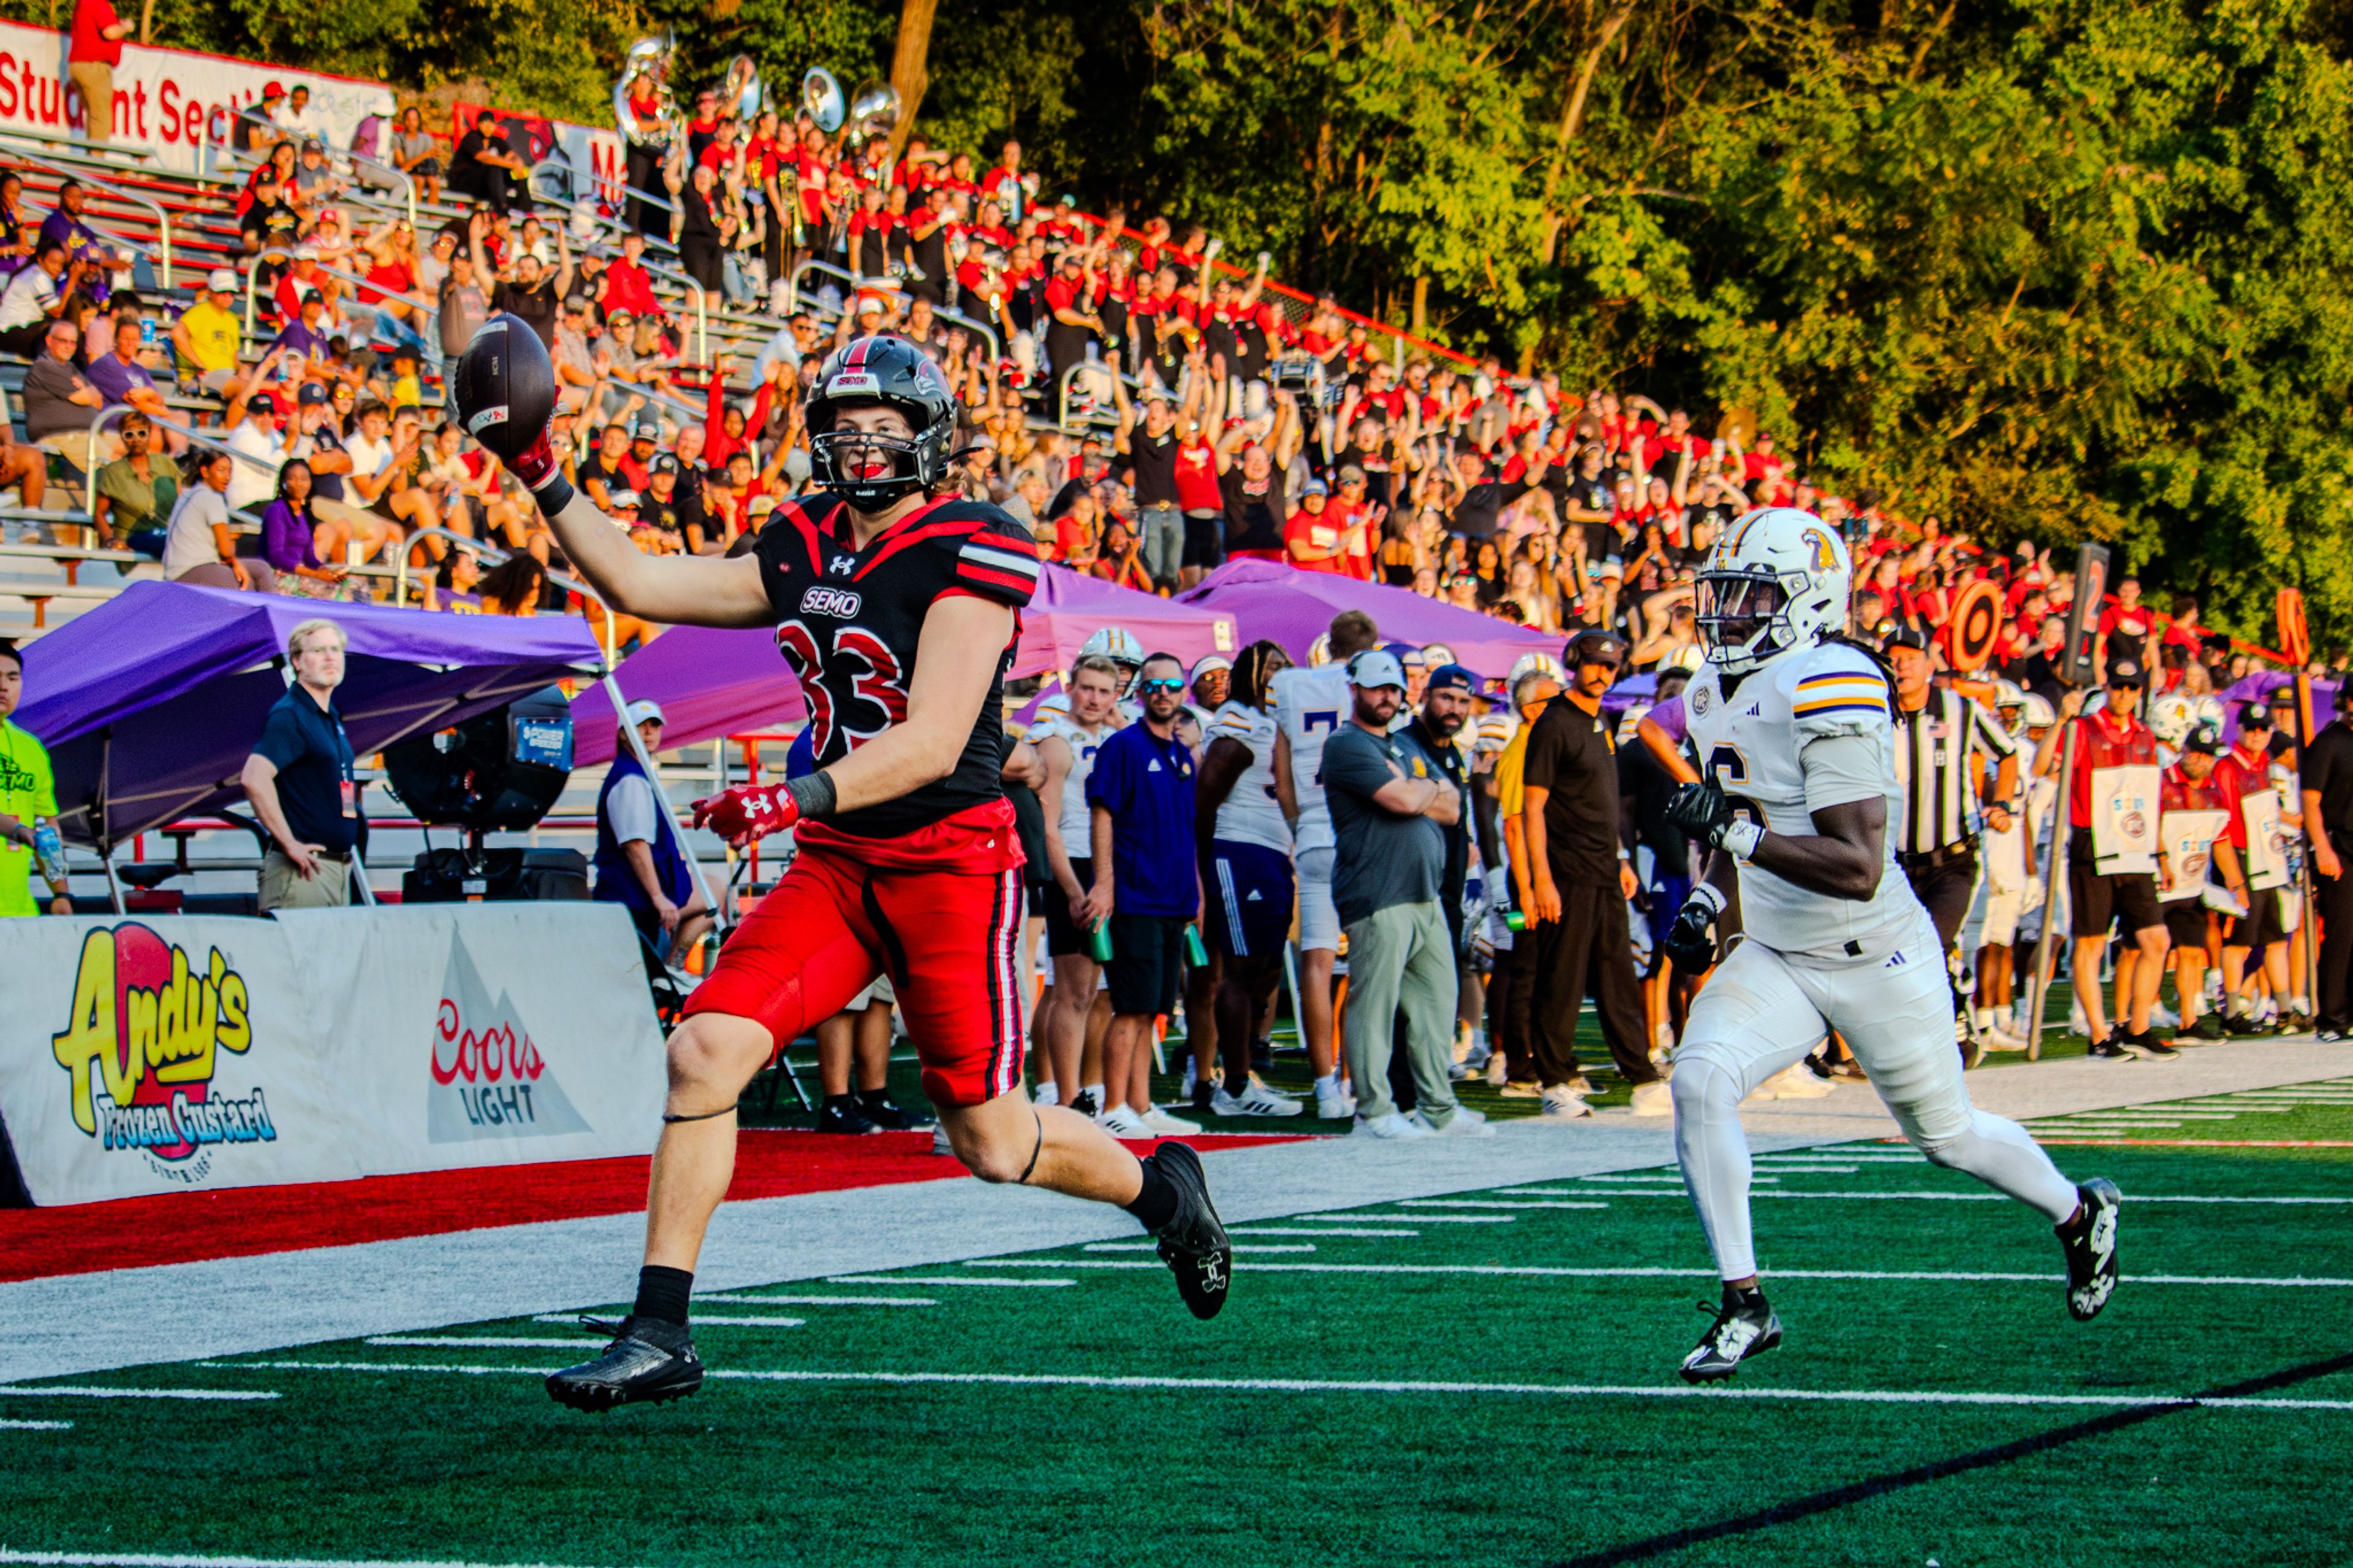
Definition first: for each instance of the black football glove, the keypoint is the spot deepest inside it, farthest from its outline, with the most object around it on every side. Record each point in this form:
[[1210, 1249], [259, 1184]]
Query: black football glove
[[1689, 942], [1701, 811]]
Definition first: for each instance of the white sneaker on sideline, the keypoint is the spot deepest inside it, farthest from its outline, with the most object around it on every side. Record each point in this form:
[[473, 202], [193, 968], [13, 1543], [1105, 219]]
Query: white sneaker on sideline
[[1498, 1074], [1047, 1094], [1464, 1123], [1562, 1104], [1652, 1099], [1335, 1104], [1160, 1121], [1396, 1124], [1125, 1124], [1262, 1086], [1254, 1101], [2161, 1017], [1793, 1082]]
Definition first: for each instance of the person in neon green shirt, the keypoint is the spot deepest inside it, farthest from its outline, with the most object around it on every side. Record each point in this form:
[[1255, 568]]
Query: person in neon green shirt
[[29, 795]]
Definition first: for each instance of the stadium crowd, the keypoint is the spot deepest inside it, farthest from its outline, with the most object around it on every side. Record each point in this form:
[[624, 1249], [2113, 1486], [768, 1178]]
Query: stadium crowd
[[1149, 417]]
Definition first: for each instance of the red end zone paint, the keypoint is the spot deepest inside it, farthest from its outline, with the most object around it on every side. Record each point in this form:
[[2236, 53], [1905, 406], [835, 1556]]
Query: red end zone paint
[[242, 1222]]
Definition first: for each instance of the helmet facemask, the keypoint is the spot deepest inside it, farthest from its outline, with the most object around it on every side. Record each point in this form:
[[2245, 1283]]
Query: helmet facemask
[[1743, 615], [872, 470]]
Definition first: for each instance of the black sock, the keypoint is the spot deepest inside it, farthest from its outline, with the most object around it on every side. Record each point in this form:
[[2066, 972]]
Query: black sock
[[1742, 1295], [662, 1293], [839, 1101], [874, 1096], [1155, 1205]]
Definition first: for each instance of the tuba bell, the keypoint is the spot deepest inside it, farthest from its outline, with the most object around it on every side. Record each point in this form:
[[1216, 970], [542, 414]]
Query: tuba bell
[[873, 113], [648, 66], [822, 97], [741, 94]]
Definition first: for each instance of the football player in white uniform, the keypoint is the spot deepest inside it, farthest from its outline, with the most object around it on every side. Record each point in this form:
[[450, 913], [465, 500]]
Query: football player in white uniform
[[1793, 734], [1310, 706]]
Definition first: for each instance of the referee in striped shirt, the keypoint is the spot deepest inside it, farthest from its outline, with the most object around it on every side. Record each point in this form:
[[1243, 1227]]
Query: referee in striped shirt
[[1938, 733]]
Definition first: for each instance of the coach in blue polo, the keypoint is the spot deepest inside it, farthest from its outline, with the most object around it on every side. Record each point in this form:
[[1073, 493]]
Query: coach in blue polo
[[1147, 887]]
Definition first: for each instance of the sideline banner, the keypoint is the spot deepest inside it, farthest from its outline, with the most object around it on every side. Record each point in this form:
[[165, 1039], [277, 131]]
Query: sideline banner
[[163, 98], [151, 1055]]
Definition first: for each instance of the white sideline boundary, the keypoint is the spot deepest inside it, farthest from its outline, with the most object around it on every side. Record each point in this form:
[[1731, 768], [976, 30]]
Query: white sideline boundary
[[82, 1323], [185, 1560], [1337, 1385]]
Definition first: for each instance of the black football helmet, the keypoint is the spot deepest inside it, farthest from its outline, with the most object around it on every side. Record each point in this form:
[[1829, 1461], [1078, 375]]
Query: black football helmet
[[895, 374]]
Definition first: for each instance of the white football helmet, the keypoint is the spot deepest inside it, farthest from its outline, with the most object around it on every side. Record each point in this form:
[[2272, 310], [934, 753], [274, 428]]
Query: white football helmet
[[1114, 643], [2169, 717], [1777, 579]]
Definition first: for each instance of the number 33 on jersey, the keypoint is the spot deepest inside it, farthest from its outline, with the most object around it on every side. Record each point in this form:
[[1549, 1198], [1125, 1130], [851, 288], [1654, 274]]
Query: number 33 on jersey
[[848, 621]]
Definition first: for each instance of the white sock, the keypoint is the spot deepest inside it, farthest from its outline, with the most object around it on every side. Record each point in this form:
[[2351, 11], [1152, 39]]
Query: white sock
[[1048, 1094], [1998, 1151], [1329, 1083]]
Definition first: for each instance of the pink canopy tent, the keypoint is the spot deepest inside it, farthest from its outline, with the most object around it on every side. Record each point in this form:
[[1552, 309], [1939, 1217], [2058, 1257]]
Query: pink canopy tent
[[1069, 608], [709, 682], [1294, 607]]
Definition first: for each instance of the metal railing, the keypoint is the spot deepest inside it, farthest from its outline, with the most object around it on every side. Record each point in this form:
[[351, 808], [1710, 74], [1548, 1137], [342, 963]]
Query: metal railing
[[285, 253], [953, 317], [162, 218], [350, 156]]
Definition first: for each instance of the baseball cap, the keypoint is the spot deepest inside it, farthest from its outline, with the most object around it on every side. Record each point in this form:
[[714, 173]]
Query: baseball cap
[[1437, 653], [2254, 716], [648, 429], [273, 90], [306, 253], [1904, 636], [312, 392], [1408, 656], [621, 500], [2283, 697], [1376, 667], [1209, 664], [663, 463], [2127, 672], [1586, 643], [2205, 739], [262, 401], [1315, 488], [221, 280], [761, 505], [643, 709], [1453, 677], [1351, 475]]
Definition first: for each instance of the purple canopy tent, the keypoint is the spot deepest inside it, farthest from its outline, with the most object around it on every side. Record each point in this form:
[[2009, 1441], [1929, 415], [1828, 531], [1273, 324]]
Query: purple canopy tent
[[1070, 607], [2259, 687], [151, 703], [710, 682], [1296, 607]]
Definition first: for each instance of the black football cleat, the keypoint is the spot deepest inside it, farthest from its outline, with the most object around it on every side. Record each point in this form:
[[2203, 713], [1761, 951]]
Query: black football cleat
[[1193, 1244], [2090, 1242], [650, 1361], [1743, 1326], [852, 1120], [891, 1116]]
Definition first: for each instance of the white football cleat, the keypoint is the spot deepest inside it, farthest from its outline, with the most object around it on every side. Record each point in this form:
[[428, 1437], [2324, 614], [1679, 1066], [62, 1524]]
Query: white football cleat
[[1253, 1100], [1161, 1122], [1796, 1081], [1465, 1123], [1654, 1099], [1396, 1124], [1562, 1104], [1123, 1124]]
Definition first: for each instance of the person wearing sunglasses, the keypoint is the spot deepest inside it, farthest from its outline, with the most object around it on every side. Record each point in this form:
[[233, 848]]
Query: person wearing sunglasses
[[1146, 889]]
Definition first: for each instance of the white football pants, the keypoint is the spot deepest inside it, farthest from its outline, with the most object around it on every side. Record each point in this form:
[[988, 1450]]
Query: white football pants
[[1762, 1013]]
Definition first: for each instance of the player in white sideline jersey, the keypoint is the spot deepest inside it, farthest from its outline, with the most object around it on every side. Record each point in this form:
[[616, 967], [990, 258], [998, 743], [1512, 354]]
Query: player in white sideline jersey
[[1310, 706], [1793, 734]]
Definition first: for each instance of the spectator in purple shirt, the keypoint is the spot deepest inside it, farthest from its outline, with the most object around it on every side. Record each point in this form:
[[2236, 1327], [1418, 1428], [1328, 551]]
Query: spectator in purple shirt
[[289, 538], [66, 227], [303, 337], [122, 379]]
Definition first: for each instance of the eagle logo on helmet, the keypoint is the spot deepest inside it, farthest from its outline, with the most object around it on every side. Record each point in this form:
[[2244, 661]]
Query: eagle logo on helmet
[[1825, 552]]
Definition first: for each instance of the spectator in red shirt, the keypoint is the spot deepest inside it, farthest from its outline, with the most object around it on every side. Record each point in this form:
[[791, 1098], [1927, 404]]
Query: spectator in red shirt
[[1314, 536], [724, 425], [1006, 185], [91, 59], [626, 285]]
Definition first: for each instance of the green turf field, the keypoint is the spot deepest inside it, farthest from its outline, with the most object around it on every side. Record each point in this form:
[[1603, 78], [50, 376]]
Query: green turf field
[[1403, 1383]]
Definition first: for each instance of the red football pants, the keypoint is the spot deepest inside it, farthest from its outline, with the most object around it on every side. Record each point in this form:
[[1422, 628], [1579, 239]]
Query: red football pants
[[948, 939]]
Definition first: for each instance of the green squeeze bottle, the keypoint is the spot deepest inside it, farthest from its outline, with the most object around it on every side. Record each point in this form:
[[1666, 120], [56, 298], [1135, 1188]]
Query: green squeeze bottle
[[1098, 942]]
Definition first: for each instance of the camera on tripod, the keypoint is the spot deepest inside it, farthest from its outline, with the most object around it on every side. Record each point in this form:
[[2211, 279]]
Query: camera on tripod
[[499, 771]]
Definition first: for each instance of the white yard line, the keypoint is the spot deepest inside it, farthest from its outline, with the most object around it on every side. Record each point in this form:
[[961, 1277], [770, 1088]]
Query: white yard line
[[580, 1342], [1337, 1386], [1318, 1230], [928, 1280], [1544, 1272], [36, 1425], [1407, 1218], [182, 1559], [73, 1391], [732, 1299], [1155, 1247], [1472, 1204]]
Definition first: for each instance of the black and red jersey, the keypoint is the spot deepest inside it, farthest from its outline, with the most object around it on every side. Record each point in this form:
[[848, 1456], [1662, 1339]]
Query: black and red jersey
[[848, 622]]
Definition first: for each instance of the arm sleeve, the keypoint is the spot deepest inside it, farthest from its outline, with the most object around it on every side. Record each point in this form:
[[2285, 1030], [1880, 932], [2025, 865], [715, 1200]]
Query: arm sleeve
[[281, 739], [1840, 692], [1841, 769]]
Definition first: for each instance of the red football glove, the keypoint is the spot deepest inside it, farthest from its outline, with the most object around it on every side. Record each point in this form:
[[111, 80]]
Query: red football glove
[[747, 812], [535, 463]]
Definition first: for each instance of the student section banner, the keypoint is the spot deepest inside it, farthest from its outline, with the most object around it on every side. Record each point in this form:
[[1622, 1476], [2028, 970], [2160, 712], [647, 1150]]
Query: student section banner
[[169, 101], [164, 1055]]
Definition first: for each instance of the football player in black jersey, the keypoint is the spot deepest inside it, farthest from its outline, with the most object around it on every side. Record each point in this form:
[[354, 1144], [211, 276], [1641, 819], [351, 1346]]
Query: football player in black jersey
[[898, 613]]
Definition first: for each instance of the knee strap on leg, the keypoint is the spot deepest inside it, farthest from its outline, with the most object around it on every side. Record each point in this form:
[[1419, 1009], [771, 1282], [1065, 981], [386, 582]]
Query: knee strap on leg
[[669, 1116], [1036, 1149]]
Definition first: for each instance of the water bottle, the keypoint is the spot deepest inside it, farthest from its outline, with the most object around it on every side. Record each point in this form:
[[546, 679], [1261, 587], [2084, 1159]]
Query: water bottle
[[1515, 921], [50, 851], [1197, 955], [1098, 942]]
